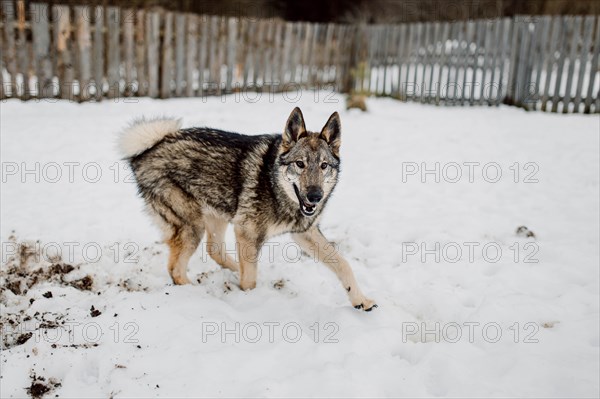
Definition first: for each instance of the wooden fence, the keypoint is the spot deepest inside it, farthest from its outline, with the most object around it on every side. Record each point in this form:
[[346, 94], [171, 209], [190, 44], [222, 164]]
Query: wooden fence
[[90, 53]]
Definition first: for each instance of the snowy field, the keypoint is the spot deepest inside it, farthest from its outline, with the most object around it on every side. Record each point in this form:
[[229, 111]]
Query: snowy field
[[426, 212]]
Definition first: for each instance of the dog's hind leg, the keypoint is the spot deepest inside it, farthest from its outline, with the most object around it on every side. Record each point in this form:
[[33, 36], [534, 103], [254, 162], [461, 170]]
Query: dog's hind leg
[[215, 242], [248, 247], [182, 245], [183, 227]]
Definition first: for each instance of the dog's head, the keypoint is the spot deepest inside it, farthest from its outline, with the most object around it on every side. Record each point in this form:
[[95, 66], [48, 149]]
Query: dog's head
[[309, 162]]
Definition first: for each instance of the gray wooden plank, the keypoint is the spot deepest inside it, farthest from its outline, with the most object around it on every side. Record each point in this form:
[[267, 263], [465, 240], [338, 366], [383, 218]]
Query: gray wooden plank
[[23, 51], [574, 43], [434, 59], [98, 50], [141, 75], [128, 23], [540, 54], [255, 50], [373, 63], [244, 50], [506, 28], [402, 50], [113, 18], [268, 53], [468, 60], [593, 72], [285, 60], [306, 56], [444, 38], [451, 61], [477, 41], [418, 38], [153, 40], [584, 52], [231, 50], [339, 40], [64, 65], [567, 23], [432, 50], [392, 50], [383, 56], [10, 51], [203, 52], [496, 54], [555, 35], [215, 62], [222, 53], [463, 63], [528, 93], [167, 57], [486, 53], [522, 58], [515, 49], [425, 45], [349, 60], [191, 56], [84, 48], [327, 57], [180, 62], [41, 51], [212, 25], [249, 51], [276, 55]]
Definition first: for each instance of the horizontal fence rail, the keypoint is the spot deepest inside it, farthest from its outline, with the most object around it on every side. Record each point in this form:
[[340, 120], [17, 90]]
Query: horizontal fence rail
[[81, 53]]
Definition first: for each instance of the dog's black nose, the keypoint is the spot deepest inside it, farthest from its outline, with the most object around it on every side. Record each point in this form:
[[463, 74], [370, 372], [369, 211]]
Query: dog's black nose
[[314, 194]]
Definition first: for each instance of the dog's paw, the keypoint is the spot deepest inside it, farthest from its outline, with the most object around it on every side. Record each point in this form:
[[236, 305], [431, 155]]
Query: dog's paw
[[181, 279], [250, 285], [366, 304]]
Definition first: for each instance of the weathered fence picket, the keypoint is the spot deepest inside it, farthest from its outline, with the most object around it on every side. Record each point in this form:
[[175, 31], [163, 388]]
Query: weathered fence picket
[[81, 53], [41, 51], [99, 52], [84, 55]]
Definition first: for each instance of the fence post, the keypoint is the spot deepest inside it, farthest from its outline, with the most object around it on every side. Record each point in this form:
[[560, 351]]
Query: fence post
[[113, 19], [588, 26], [351, 64], [23, 50], [152, 42], [99, 52], [593, 72], [64, 64], [128, 20], [41, 50], [9, 49], [567, 29], [84, 43], [167, 57], [191, 53]]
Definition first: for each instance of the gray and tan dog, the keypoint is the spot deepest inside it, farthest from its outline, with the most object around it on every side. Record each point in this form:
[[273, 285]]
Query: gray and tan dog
[[198, 180]]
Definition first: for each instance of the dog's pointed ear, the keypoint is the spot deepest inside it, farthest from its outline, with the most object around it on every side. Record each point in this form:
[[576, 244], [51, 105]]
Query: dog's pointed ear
[[294, 128], [332, 133]]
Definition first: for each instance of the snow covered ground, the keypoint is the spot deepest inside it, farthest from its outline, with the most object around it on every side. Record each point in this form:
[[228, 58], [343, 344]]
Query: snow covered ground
[[467, 307]]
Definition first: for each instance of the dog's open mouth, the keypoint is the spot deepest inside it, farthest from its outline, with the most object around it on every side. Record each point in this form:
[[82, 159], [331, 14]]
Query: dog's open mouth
[[306, 209]]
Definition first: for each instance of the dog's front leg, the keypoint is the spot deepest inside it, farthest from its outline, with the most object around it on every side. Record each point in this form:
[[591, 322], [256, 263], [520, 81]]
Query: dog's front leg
[[248, 247], [313, 242]]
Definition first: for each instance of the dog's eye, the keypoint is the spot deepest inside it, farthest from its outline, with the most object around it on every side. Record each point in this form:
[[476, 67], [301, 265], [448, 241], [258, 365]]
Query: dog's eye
[[324, 165], [300, 164]]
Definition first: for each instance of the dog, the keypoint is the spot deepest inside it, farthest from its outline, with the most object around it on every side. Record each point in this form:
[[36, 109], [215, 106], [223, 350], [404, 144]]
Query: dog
[[199, 180]]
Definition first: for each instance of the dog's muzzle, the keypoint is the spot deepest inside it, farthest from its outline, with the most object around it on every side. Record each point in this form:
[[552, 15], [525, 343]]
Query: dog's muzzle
[[306, 208]]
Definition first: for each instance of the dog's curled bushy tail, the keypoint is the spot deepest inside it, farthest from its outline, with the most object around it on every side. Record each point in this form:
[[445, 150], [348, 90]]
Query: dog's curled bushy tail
[[145, 133]]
